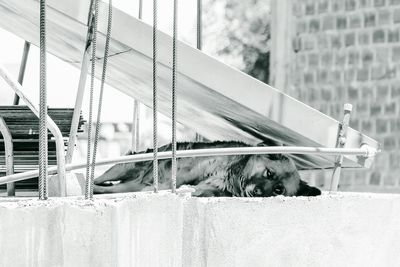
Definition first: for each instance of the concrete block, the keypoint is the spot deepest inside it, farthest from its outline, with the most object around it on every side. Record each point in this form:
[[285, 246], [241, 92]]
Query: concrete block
[[75, 185], [147, 229]]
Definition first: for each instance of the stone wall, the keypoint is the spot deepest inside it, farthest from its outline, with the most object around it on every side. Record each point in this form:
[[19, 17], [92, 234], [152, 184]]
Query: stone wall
[[346, 51]]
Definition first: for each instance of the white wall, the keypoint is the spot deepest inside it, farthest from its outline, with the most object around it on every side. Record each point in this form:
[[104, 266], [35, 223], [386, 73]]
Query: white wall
[[166, 230]]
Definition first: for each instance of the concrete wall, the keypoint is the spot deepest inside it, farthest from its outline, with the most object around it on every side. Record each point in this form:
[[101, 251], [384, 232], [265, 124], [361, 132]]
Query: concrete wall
[[345, 51], [167, 230]]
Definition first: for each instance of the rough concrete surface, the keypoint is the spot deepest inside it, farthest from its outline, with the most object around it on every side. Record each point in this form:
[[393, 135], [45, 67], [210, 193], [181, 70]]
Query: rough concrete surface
[[147, 229]]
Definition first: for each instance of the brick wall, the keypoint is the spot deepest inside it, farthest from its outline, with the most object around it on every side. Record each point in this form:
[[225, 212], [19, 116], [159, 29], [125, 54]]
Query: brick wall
[[349, 51]]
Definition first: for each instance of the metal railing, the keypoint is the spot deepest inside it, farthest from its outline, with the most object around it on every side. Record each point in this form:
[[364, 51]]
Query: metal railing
[[364, 151], [9, 154], [50, 125]]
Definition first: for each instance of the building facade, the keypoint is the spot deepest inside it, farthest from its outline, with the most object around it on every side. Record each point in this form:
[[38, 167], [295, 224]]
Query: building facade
[[330, 52]]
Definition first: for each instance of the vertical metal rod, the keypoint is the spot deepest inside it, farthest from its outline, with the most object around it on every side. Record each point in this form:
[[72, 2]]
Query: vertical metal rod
[[92, 76], [199, 40], [9, 155], [22, 68], [136, 106], [103, 79], [199, 24], [135, 126], [43, 107], [174, 98], [140, 9], [340, 143], [155, 102]]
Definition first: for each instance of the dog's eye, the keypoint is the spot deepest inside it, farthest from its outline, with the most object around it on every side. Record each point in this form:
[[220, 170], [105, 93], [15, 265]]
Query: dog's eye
[[267, 174]]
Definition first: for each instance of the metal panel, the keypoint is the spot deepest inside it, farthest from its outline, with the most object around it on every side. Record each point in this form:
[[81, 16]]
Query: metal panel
[[217, 101]]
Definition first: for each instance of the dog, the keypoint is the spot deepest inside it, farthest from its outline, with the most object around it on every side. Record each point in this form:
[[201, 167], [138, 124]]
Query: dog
[[211, 176]]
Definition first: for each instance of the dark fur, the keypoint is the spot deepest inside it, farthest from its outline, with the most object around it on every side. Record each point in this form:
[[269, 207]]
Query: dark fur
[[241, 176]]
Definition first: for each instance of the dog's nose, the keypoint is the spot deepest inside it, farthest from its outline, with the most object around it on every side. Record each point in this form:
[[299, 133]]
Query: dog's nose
[[279, 189]]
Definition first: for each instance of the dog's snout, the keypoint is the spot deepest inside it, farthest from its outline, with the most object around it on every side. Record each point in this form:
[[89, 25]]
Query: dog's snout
[[278, 189]]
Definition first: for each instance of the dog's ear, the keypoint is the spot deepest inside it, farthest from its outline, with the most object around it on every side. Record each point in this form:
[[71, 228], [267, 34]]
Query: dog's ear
[[306, 190], [237, 164], [235, 175]]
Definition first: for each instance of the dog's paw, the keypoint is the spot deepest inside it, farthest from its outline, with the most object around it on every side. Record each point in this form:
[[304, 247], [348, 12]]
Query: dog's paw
[[185, 190]]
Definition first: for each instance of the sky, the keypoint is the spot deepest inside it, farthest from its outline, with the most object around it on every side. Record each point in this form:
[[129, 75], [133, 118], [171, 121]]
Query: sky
[[62, 78]]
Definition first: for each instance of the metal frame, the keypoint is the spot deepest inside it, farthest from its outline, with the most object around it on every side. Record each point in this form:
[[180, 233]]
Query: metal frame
[[9, 154], [50, 125], [364, 151]]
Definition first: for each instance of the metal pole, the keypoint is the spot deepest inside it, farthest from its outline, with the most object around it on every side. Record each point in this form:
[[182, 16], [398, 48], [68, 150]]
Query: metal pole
[[81, 87], [22, 68], [364, 151], [92, 76], [340, 143], [140, 9], [78, 107], [155, 100], [43, 194], [199, 30], [9, 154], [103, 79], [136, 106], [199, 24], [135, 126], [174, 97]]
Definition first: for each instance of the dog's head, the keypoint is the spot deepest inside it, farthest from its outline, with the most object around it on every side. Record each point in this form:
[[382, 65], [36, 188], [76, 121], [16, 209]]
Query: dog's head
[[268, 175]]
